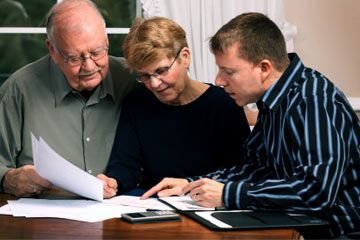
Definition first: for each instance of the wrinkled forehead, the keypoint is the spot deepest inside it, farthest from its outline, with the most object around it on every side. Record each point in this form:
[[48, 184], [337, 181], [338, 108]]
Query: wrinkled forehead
[[81, 36], [73, 22]]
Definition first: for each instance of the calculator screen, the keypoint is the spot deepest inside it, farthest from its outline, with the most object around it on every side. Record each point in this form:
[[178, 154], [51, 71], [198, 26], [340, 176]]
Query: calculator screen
[[135, 215]]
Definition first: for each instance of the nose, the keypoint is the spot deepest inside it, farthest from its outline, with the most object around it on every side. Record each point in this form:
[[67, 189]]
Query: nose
[[219, 81], [155, 82], [88, 64]]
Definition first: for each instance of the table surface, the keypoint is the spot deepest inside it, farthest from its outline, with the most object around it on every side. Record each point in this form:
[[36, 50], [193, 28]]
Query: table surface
[[51, 228]]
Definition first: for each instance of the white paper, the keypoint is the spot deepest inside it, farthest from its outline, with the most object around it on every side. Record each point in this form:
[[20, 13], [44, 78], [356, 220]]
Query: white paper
[[80, 210], [62, 173], [150, 203], [5, 210], [184, 203]]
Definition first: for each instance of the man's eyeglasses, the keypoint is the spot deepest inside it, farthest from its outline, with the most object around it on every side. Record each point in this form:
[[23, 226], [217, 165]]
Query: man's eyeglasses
[[160, 72], [78, 60]]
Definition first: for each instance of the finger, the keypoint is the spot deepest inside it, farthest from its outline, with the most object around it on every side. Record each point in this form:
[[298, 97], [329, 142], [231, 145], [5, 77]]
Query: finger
[[112, 183], [32, 190], [112, 190], [102, 177], [38, 181], [188, 188], [158, 187], [169, 192], [108, 193]]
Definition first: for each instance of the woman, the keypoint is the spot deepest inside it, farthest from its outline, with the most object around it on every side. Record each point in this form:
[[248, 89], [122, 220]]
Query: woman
[[173, 125]]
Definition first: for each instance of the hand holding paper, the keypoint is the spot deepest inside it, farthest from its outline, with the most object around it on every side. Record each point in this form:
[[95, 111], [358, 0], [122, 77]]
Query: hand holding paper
[[25, 182], [110, 185]]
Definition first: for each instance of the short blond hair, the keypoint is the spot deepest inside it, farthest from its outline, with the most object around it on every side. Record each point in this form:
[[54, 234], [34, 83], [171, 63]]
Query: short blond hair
[[151, 40]]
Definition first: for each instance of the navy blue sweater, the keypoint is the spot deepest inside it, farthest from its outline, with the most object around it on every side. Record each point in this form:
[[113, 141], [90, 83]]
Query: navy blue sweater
[[155, 140]]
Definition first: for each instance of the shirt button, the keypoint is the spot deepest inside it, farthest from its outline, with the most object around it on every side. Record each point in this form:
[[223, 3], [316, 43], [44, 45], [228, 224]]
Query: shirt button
[[88, 139]]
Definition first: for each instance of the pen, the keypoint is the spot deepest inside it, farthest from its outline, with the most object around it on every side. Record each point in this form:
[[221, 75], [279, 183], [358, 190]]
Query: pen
[[222, 208], [215, 177]]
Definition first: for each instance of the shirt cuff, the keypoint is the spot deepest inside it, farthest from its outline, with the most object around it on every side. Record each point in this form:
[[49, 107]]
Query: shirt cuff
[[235, 195]]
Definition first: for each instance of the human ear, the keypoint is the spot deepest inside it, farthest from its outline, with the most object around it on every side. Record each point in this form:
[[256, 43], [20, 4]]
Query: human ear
[[185, 56], [265, 67], [52, 50]]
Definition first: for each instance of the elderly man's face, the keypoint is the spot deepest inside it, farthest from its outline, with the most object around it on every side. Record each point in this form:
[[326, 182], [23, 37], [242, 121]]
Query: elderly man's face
[[88, 43], [241, 79]]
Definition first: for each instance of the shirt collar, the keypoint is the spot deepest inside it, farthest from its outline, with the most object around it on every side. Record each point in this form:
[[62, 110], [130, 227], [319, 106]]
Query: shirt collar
[[61, 87], [273, 97]]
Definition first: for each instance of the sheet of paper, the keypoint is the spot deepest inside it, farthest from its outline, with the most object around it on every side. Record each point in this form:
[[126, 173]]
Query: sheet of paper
[[184, 203], [80, 210], [5, 210], [150, 203], [62, 173]]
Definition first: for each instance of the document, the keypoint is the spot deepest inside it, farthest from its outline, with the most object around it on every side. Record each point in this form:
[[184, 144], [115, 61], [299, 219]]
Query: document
[[150, 203], [5, 210], [184, 203], [79, 210], [62, 173], [94, 211]]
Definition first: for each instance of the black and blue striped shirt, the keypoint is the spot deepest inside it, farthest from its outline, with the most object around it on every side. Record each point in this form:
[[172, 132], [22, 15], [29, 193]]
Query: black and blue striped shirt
[[303, 154]]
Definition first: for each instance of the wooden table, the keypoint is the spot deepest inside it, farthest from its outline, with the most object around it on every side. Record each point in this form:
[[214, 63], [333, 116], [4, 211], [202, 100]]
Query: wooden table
[[50, 228]]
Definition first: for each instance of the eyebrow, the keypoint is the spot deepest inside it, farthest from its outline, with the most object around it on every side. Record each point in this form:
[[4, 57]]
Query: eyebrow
[[93, 50]]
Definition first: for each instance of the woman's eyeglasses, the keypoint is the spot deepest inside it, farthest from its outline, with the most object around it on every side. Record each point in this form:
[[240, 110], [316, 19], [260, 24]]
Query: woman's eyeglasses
[[160, 72]]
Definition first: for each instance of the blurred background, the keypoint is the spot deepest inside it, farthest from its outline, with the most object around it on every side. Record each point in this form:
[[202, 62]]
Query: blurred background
[[21, 48], [327, 37]]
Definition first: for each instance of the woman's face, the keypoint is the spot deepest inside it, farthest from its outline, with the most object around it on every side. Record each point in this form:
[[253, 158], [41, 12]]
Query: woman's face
[[167, 78]]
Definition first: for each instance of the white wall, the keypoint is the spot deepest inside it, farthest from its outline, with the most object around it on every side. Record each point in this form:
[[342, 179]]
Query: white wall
[[328, 39]]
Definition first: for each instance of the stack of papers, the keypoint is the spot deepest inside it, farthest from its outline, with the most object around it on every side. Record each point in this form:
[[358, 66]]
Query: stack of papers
[[67, 176], [184, 203], [93, 211], [80, 210]]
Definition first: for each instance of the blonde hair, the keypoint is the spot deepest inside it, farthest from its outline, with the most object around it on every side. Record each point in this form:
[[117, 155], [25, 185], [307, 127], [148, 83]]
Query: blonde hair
[[151, 40]]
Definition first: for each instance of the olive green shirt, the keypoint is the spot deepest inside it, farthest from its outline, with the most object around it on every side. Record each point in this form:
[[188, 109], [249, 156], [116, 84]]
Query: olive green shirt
[[38, 99]]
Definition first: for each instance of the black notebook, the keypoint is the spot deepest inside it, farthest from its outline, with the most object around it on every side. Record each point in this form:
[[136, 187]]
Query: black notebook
[[235, 220]]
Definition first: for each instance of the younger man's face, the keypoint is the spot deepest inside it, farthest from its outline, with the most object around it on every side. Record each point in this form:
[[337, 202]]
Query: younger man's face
[[240, 78]]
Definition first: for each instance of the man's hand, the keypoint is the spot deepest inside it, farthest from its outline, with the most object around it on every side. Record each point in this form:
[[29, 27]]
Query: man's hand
[[205, 192], [167, 187], [24, 182], [110, 185]]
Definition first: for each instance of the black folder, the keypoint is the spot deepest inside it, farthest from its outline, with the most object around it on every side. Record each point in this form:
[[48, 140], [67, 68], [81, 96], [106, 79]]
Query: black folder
[[257, 220]]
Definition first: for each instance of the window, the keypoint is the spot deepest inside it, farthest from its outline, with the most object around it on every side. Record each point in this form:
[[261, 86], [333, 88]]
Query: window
[[23, 34]]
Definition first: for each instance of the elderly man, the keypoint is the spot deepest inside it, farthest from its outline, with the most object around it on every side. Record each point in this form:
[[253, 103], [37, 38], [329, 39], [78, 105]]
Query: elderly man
[[71, 98], [303, 154]]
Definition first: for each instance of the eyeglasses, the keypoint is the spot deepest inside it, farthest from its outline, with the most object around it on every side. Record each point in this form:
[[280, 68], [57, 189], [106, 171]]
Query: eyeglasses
[[78, 60], [160, 72]]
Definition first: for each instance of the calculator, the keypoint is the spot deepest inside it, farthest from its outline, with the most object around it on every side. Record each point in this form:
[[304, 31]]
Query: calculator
[[151, 216]]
